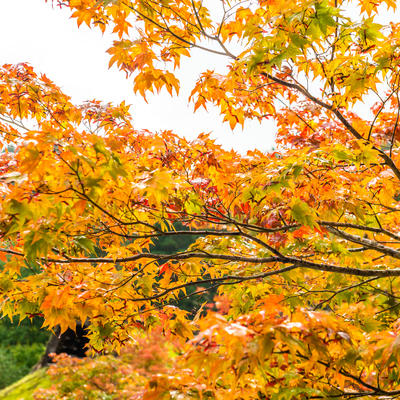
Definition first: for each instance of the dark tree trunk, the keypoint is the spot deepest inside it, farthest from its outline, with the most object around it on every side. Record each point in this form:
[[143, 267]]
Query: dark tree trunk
[[70, 342]]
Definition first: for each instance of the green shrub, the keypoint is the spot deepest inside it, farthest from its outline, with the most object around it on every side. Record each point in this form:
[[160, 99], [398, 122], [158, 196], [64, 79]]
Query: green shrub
[[21, 346], [16, 361]]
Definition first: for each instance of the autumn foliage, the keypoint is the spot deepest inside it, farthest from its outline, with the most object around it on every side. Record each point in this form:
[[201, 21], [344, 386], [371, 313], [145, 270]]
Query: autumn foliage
[[109, 376], [302, 243]]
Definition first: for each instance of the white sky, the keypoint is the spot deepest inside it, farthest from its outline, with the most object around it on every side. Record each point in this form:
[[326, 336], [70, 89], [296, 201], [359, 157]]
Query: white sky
[[76, 60]]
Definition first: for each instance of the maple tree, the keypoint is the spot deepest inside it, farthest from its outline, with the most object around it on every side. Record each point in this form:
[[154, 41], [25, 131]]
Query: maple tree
[[303, 243]]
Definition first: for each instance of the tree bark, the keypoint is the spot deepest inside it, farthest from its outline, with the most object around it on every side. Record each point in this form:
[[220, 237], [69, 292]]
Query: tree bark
[[70, 342]]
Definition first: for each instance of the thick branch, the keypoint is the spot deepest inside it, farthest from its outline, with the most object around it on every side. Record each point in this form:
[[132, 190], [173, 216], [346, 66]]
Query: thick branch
[[298, 262], [157, 257], [372, 244]]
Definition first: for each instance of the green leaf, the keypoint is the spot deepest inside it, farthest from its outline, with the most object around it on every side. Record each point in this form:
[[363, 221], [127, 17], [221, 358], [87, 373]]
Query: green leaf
[[383, 63], [193, 205], [255, 59], [370, 31], [297, 40], [342, 155], [105, 330], [17, 208], [99, 148], [324, 14], [302, 213], [85, 244]]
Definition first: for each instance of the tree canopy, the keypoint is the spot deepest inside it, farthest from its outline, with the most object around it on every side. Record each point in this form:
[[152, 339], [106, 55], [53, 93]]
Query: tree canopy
[[302, 243]]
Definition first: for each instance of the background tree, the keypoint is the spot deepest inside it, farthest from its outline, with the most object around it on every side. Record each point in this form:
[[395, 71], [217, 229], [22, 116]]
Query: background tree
[[303, 242]]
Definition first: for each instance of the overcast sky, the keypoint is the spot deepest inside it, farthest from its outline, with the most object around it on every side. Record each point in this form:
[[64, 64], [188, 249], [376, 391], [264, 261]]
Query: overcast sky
[[76, 60]]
